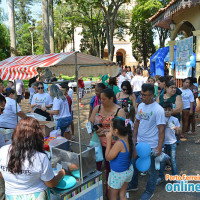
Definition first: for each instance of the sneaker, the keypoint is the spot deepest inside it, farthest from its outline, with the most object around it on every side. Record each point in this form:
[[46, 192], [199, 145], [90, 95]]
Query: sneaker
[[159, 180], [146, 196], [129, 189], [143, 173]]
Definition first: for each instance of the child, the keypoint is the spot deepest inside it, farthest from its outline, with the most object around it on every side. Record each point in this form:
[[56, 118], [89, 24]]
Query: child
[[120, 157], [81, 90], [172, 127]]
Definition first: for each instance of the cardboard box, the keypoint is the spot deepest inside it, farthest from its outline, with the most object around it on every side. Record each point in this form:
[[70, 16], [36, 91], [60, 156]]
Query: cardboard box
[[47, 127]]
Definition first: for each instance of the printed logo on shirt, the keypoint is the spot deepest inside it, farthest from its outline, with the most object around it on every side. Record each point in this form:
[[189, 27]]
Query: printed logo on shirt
[[145, 116], [40, 100], [5, 169]]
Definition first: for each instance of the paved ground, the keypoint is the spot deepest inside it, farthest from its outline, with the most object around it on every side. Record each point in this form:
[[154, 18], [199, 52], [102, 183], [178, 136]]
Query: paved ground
[[187, 156]]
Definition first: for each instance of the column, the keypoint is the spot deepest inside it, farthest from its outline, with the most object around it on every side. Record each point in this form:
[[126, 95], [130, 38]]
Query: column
[[171, 55], [197, 69]]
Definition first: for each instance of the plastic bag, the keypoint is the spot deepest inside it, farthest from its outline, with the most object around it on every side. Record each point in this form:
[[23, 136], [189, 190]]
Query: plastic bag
[[95, 142]]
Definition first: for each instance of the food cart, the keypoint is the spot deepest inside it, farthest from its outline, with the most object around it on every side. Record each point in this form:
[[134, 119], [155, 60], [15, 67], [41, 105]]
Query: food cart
[[89, 185]]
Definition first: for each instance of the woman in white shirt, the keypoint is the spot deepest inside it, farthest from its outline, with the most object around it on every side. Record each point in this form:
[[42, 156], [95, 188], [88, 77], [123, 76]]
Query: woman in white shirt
[[60, 109], [11, 112], [25, 166], [41, 99], [145, 76], [129, 73], [188, 103]]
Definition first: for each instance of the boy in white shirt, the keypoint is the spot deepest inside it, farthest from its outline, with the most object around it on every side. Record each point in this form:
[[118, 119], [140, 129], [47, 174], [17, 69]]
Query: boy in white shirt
[[172, 127]]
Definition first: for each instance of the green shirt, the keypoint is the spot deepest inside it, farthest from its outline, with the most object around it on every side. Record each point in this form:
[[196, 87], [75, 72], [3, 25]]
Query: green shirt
[[104, 79], [114, 88]]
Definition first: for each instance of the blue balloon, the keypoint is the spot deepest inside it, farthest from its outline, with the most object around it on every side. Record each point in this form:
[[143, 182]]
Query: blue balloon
[[193, 58], [188, 64], [193, 63], [143, 149], [143, 164]]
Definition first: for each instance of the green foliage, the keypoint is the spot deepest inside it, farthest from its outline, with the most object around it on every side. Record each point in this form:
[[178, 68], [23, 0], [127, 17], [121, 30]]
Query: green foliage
[[141, 30], [4, 42]]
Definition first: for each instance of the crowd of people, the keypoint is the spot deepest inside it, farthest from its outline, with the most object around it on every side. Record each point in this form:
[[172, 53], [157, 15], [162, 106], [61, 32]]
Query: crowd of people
[[125, 111], [155, 109]]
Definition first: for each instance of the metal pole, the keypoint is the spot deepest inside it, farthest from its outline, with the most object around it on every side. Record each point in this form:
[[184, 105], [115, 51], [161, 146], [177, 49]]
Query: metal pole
[[79, 127]]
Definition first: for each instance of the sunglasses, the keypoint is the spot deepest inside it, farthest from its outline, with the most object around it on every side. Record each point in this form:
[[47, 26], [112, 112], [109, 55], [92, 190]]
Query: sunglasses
[[124, 89], [40, 88]]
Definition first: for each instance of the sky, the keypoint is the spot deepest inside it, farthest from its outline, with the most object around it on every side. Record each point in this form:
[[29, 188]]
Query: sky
[[37, 11]]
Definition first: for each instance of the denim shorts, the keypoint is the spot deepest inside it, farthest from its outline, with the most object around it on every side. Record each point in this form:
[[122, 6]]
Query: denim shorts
[[117, 179], [63, 123]]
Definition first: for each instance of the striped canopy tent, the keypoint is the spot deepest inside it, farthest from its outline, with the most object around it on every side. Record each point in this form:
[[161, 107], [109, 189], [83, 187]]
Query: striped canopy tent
[[25, 67]]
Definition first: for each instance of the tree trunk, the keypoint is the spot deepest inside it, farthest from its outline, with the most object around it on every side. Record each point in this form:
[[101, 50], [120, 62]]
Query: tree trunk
[[11, 14], [45, 26], [51, 26]]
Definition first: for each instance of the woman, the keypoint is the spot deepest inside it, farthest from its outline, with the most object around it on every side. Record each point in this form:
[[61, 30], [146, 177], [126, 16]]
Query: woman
[[171, 96], [41, 99], [11, 113], [95, 101], [24, 165], [129, 73], [145, 75], [126, 96], [104, 113], [112, 84], [60, 110], [188, 104]]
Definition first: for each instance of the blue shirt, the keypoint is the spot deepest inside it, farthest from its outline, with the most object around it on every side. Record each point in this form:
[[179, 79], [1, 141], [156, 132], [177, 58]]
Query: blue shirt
[[122, 162]]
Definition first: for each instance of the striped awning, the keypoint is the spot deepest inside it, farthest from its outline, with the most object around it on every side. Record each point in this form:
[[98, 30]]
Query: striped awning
[[25, 67]]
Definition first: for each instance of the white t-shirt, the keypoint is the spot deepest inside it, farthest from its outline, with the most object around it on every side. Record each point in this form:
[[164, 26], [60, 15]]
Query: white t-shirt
[[70, 93], [9, 117], [121, 79], [187, 97], [145, 79], [62, 106], [19, 84], [170, 137], [129, 75], [60, 80], [41, 99], [137, 82], [150, 117], [31, 179]]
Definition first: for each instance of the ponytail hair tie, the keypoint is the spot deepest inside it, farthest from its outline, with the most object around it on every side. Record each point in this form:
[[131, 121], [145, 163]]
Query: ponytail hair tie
[[126, 122]]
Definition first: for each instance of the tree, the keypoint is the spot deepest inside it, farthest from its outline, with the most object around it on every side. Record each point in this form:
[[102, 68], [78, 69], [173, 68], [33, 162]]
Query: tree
[[4, 42], [45, 25], [51, 26], [110, 9], [141, 30], [11, 18]]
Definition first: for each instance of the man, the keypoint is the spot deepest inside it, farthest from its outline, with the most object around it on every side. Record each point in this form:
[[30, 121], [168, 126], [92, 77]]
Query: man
[[65, 89], [149, 127], [2, 143], [122, 78], [137, 82], [20, 90]]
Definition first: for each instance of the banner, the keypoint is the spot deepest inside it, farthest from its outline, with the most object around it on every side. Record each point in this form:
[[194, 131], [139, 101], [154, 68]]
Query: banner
[[183, 53]]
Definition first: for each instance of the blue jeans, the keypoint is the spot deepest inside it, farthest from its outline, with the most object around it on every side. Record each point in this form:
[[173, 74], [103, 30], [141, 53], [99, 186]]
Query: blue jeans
[[63, 123], [151, 183], [171, 148]]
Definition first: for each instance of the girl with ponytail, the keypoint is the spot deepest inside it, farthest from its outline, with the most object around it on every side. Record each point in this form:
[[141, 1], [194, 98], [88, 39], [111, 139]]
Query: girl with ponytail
[[120, 156]]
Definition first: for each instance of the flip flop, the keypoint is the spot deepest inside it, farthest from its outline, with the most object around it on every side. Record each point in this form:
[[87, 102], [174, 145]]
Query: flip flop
[[182, 136]]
